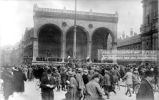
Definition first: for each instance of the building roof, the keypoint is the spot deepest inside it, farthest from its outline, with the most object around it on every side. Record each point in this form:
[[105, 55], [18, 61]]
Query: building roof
[[128, 41]]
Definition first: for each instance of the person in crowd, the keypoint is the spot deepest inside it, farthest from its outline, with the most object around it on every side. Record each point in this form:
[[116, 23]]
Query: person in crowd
[[145, 91], [19, 78], [107, 83], [63, 79], [30, 73], [72, 91], [80, 82], [7, 77], [58, 79], [93, 89], [47, 85], [116, 76], [128, 78], [136, 81], [25, 70], [85, 76]]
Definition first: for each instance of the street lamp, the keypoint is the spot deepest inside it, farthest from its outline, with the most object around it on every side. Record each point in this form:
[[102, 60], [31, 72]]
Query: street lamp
[[75, 31]]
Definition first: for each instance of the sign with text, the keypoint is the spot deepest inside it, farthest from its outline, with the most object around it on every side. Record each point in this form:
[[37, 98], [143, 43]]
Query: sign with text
[[130, 55]]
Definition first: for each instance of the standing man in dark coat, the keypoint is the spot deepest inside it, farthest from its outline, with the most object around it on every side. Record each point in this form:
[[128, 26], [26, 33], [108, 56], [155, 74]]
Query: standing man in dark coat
[[7, 78], [47, 85], [19, 78], [145, 91]]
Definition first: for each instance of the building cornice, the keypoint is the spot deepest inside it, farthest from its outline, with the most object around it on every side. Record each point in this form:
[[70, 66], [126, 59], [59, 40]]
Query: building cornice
[[70, 14]]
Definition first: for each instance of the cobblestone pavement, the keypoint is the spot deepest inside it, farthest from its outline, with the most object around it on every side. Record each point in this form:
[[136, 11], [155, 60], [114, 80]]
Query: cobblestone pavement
[[32, 92]]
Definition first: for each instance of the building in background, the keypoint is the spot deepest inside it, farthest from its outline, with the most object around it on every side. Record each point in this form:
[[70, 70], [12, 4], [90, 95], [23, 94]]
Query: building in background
[[51, 38], [149, 28]]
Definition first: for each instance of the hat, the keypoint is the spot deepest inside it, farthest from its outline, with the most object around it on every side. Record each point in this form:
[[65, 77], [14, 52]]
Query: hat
[[49, 71], [85, 71], [95, 76], [70, 73], [79, 70], [149, 73], [106, 71], [135, 72]]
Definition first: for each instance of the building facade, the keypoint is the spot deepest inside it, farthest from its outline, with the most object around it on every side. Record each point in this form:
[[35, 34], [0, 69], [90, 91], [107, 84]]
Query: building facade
[[149, 28], [52, 36], [130, 43], [148, 38]]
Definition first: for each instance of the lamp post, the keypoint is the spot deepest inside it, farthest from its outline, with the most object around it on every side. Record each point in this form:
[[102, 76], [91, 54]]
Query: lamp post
[[75, 31]]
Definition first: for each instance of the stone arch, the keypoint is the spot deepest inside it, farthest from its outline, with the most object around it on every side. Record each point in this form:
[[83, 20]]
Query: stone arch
[[49, 41], [99, 41], [82, 37]]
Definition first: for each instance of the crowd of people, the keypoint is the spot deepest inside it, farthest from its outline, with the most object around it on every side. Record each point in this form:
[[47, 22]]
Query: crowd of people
[[83, 82]]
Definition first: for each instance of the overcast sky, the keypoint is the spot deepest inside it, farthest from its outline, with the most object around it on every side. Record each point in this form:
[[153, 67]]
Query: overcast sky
[[16, 15]]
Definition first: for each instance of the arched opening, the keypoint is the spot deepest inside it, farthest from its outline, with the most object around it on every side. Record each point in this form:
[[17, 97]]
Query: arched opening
[[49, 40], [100, 41], [81, 42]]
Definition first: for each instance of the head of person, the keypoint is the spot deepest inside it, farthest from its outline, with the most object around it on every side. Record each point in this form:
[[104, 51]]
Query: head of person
[[96, 78], [49, 73], [79, 70], [85, 72], [136, 72], [149, 75]]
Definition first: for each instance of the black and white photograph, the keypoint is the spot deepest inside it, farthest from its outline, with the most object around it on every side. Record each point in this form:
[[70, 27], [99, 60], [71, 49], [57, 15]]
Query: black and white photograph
[[79, 50]]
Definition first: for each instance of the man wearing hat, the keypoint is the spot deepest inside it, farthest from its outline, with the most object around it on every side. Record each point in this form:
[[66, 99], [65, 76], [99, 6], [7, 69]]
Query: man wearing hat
[[145, 91], [72, 92], [47, 85], [85, 76], [93, 89]]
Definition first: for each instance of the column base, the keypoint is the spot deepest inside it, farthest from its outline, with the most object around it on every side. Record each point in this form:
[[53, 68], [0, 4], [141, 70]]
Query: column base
[[34, 59]]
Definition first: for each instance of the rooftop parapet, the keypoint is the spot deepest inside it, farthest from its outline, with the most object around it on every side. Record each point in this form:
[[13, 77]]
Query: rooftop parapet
[[48, 12]]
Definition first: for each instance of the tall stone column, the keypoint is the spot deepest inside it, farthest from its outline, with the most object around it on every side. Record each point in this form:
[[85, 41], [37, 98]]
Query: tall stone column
[[89, 49], [63, 50], [35, 49], [114, 48]]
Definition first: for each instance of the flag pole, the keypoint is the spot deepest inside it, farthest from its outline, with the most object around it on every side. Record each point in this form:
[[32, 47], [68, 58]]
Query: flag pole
[[75, 31]]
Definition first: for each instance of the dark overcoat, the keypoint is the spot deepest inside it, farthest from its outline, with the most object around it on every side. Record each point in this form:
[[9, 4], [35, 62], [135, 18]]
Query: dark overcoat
[[7, 78], [19, 78], [145, 91], [47, 92]]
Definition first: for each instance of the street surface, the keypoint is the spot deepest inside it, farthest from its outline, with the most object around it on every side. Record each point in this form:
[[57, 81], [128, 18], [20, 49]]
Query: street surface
[[32, 92]]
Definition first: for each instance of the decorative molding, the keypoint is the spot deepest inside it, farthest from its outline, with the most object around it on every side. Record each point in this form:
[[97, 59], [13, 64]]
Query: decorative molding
[[90, 26], [64, 24], [69, 14]]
